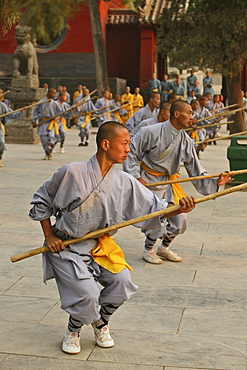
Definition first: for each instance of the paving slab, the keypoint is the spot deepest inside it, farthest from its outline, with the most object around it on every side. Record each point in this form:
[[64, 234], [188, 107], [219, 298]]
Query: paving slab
[[175, 350], [215, 279], [30, 286], [225, 323], [25, 309], [40, 340], [40, 363]]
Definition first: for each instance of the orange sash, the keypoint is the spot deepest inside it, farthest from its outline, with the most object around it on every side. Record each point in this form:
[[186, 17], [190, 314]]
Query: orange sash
[[109, 255], [177, 189]]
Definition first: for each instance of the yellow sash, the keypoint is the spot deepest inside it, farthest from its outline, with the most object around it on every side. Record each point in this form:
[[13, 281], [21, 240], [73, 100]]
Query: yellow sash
[[180, 96], [194, 135], [2, 127], [154, 90], [55, 125], [177, 189], [118, 117], [87, 119], [63, 122], [109, 255]]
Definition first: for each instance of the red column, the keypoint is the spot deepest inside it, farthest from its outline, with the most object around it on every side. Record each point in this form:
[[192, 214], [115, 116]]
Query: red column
[[147, 54]]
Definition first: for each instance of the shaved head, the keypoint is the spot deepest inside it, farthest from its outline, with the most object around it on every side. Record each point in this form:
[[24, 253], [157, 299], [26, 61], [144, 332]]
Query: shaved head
[[178, 105], [109, 131]]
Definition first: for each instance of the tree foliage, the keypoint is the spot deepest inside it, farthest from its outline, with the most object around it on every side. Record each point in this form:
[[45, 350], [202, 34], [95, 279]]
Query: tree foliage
[[46, 17], [206, 33]]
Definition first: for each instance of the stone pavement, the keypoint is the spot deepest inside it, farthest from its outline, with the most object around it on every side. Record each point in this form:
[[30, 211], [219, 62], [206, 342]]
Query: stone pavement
[[189, 315]]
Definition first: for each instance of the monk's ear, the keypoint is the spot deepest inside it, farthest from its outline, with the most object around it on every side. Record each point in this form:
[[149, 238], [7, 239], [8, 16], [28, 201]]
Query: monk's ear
[[105, 144], [176, 114]]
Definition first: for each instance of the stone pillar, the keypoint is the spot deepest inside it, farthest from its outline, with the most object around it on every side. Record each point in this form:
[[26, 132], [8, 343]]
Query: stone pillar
[[21, 131], [25, 89]]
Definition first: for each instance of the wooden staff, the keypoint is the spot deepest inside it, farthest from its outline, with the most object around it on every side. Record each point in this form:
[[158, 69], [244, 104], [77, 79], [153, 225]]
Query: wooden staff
[[228, 106], [6, 92], [26, 107], [220, 138], [231, 173], [97, 233], [210, 125], [111, 110], [93, 111], [80, 102], [220, 114]]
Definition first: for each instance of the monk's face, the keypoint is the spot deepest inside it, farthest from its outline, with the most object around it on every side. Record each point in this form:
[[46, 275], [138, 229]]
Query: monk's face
[[166, 114], [118, 148], [155, 101], [184, 117], [51, 94]]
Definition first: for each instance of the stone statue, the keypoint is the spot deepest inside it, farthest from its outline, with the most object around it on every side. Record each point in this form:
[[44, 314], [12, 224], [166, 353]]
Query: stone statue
[[25, 73]]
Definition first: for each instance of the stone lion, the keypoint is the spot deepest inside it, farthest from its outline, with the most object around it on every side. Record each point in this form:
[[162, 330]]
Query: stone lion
[[25, 57]]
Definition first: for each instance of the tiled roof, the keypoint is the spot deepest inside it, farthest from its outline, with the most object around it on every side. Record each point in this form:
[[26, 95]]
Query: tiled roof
[[149, 13], [152, 10], [122, 16]]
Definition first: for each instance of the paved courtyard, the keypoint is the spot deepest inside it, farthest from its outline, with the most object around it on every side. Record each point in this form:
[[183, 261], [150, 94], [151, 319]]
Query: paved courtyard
[[188, 315]]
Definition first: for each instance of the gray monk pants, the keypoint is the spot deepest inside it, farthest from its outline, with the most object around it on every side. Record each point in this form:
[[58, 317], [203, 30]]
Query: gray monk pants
[[81, 297]]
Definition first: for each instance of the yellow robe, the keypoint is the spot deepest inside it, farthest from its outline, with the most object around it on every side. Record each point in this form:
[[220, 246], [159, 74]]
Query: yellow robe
[[138, 102], [129, 108]]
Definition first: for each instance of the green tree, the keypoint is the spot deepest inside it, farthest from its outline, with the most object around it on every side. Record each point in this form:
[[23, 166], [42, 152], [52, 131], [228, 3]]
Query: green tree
[[47, 18], [209, 34]]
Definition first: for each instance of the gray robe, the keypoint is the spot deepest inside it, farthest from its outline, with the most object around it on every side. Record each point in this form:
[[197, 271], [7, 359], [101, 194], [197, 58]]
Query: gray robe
[[42, 112], [86, 106], [83, 201], [100, 104], [146, 122], [140, 115], [5, 109], [162, 148]]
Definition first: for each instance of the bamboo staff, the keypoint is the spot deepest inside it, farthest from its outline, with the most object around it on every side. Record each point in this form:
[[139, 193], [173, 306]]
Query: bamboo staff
[[93, 111], [228, 106], [85, 113], [26, 107], [231, 173], [220, 114], [81, 102], [220, 138], [226, 114], [97, 233], [209, 125], [6, 92], [111, 110]]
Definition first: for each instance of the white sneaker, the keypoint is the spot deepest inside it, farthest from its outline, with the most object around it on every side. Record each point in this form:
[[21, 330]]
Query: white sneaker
[[168, 254], [62, 151], [71, 342], [102, 336], [1, 163], [46, 158], [151, 257], [50, 156]]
